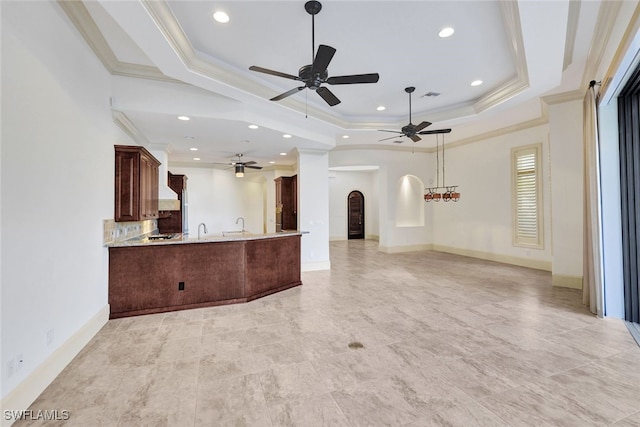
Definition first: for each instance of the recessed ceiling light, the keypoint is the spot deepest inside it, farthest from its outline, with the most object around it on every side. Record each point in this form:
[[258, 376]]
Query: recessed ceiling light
[[446, 32], [286, 135], [283, 154], [189, 137], [183, 118], [345, 136], [193, 149], [253, 127], [196, 158], [272, 162], [221, 17], [476, 83], [381, 108]]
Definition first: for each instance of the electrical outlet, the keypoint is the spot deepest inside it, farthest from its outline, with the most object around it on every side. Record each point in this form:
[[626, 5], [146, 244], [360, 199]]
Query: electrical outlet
[[50, 337], [11, 367]]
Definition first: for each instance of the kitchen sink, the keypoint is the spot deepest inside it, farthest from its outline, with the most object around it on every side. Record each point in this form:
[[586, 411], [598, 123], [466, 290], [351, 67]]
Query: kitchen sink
[[161, 236]]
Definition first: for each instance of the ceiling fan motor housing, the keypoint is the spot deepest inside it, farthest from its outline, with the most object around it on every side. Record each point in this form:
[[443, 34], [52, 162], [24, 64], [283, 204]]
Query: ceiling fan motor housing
[[408, 129], [312, 80]]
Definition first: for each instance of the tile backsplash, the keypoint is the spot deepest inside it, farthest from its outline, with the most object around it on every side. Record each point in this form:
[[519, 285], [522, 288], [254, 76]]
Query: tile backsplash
[[120, 231]]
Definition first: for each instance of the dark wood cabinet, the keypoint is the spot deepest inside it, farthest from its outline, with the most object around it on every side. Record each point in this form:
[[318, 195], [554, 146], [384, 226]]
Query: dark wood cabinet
[[156, 278], [136, 184], [172, 221], [286, 203]]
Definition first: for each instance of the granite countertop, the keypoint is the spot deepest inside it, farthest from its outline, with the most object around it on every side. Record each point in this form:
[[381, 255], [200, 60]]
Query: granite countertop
[[179, 238]]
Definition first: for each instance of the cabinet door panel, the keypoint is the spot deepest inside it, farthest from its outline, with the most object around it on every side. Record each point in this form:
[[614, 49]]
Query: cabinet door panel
[[127, 187]]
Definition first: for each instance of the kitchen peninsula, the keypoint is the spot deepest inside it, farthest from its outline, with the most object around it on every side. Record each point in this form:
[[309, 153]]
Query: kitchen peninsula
[[152, 276]]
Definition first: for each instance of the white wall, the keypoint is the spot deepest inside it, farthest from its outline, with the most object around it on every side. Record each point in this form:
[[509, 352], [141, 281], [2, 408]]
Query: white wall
[[567, 192], [341, 183], [394, 165], [313, 209], [217, 198], [57, 188], [481, 222]]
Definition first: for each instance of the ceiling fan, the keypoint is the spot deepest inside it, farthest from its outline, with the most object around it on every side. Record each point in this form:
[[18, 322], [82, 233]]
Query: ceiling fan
[[239, 165], [412, 131], [315, 74]]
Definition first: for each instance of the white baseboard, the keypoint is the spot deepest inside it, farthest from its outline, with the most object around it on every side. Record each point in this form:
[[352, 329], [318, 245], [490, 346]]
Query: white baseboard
[[344, 238], [506, 259], [574, 282], [28, 390], [316, 266], [406, 248]]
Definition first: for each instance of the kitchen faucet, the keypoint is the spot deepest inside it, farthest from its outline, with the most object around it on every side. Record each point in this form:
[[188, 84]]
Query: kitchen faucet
[[205, 229], [240, 218]]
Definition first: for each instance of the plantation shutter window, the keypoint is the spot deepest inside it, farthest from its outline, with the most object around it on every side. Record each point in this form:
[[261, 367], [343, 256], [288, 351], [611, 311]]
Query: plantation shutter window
[[527, 196]]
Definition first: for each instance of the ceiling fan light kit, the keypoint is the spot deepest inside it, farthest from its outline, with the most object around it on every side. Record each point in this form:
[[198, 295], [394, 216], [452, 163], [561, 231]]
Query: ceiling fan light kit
[[239, 165], [316, 73]]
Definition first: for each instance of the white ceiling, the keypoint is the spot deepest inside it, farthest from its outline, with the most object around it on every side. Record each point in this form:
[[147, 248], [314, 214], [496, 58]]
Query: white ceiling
[[521, 50]]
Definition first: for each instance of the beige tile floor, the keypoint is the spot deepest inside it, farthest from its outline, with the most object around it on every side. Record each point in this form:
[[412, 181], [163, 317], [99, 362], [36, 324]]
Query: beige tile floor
[[448, 340]]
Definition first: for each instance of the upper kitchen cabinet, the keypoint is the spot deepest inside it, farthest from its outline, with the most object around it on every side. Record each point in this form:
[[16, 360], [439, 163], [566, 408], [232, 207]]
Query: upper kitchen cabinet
[[136, 184]]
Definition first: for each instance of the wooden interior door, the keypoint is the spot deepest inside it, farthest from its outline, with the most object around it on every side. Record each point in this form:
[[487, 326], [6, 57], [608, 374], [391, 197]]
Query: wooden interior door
[[355, 208]]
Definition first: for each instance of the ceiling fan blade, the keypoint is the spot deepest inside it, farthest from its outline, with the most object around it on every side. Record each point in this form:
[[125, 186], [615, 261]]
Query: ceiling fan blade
[[392, 137], [394, 131], [322, 59], [287, 93], [415, 138], [355, 78], [422, 126], [273, 73], [431, 132], [250, 163], [252, 167], [328, 96]]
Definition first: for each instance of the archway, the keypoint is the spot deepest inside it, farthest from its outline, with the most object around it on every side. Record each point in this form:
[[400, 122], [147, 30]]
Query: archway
[[355, 215]]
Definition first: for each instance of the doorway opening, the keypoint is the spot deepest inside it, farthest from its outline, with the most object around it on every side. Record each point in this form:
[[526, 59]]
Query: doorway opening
[[355, 215]]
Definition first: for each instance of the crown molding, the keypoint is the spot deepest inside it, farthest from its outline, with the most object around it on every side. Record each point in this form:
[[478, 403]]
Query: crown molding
[[160, 146], [81, 18], [572, 30], [560, 98], [605, 23], [123, 122], [629, 36], [352, 147], [515, 86], [215, 70], [542, 120], [171, 29]]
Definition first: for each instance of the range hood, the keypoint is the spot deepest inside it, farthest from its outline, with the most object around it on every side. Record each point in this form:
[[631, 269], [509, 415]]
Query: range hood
[[167, 198]]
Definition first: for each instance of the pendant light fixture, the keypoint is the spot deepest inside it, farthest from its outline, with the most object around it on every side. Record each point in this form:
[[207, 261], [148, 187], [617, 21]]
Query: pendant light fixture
[[433, 193], [239, 170]]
